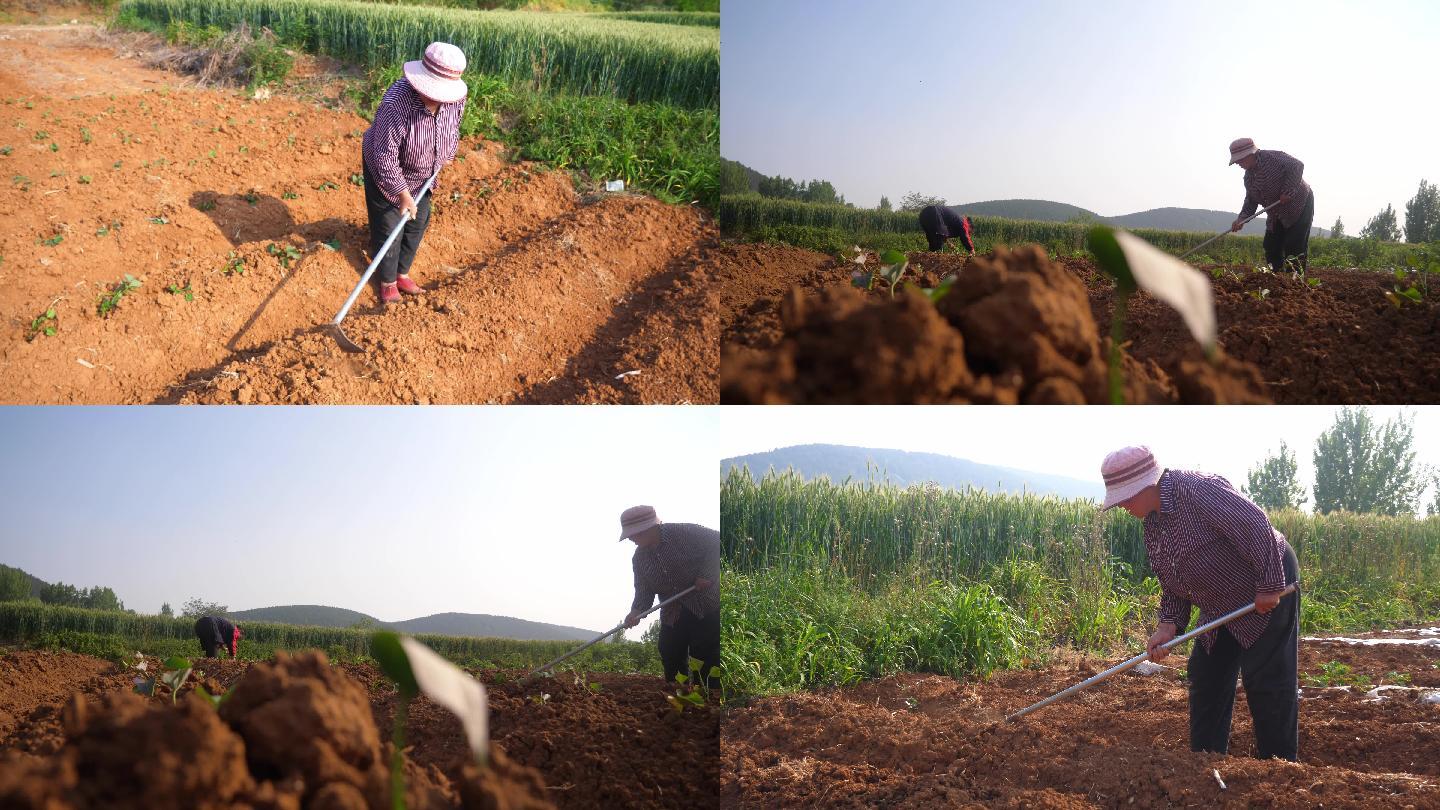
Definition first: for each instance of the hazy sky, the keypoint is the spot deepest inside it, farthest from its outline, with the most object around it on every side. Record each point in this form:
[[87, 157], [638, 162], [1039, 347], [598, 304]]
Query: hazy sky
[[1067, 440], [395, 512], [1113, 106]]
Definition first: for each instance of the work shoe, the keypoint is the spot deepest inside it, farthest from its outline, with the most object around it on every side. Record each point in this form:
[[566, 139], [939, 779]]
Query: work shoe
[[407, 286], [389, 293]]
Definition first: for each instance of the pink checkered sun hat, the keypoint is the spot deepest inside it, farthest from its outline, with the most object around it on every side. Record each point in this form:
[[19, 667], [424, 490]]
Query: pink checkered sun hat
[[437, 75], [637, 519], [1241, 148], [1127, 472]]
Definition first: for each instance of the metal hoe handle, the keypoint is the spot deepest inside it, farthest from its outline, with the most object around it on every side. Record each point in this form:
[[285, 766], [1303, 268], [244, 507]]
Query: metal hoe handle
[[1119, 668], [375, 262], [1245, 222], [612, 631]]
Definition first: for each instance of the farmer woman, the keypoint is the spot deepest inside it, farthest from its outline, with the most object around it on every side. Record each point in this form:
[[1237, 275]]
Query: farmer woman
[[1211, 547], [215, 634], [940, 223], [416, 132], [1276, 180], [670, 557]]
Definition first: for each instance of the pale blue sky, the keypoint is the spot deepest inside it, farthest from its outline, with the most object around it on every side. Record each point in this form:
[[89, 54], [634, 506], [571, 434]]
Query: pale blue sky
[[1113, 106], [1068, 440], [395, 512]]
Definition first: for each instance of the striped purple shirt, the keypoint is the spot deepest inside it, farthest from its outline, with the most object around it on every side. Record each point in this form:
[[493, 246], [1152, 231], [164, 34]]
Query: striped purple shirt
[[407, 144], [1211, 546], [1275, 173], [686, 552]]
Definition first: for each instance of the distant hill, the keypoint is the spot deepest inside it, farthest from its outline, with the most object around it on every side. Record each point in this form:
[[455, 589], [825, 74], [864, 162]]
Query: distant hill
[[1197, 220], [36, 583], [903, 468], [477, 625], [752, 177], [1039, 210]]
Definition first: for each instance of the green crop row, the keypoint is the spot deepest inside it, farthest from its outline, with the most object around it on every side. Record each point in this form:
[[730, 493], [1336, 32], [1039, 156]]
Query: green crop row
[[825, 227], [113, 634], [828, 582], [587, 54]]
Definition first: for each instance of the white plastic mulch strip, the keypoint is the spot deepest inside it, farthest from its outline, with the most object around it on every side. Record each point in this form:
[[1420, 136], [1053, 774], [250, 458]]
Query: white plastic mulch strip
[[1424, 694], [1373, 642]]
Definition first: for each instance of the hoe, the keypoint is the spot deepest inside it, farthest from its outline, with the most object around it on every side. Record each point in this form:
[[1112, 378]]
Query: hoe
[[608, 633], [346, 343], [1119, 668], [1243, 223]]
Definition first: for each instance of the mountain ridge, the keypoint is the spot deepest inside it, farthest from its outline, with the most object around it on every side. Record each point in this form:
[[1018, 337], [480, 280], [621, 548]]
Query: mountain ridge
[[904, 467]]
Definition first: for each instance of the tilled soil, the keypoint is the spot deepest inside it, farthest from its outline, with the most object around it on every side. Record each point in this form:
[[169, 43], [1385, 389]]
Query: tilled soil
[[298, 731], [532, 293], [1021, 328], [930, 741]]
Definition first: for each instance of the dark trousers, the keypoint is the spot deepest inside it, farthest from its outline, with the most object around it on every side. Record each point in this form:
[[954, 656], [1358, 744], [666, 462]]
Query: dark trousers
[[935, 231], [689, 637], [208, 631], [384, 215], [1282, 243], [1269, 670]]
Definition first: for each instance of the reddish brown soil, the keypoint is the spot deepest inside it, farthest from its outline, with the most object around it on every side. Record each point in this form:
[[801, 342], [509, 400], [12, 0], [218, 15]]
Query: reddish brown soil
[[532, 293], [1341, 342], [930, 741], [1014, 329], [299, 731]]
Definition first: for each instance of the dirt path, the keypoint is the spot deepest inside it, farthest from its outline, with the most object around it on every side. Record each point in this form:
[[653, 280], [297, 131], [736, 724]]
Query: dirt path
[[533, 294], [930, 741]]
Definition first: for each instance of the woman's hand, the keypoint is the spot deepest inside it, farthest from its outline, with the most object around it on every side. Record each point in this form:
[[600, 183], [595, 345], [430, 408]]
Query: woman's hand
[[701, 583], [632, 618], [1266, 602], [408, 206], [1163, 633]]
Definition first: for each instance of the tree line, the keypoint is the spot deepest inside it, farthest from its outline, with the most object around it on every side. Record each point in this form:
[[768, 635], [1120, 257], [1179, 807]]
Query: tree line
[[16, 586], [1360, 466], [1422, 220]]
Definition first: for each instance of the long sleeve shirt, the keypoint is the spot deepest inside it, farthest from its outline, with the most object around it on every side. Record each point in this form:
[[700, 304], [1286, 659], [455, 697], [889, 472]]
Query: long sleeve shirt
[[1212, 547], [1274, 174], [407, 144], [686, 552]]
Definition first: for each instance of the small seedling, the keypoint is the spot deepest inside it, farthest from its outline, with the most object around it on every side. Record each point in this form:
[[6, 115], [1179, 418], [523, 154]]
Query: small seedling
[[1334, 673], [940, 291], [286, 254], [1261, 294], [252, 197], [53, 241], [44, 324], [109, 301], [176, 289], [5, 150], [160, 220], [117, 164], [54, 147], [416, 670], [41, 135], [236, 266], [85, 135], [540, 699], [326, 186], [290, 195], [1398, 678], [206, 204], [357, 179], [176, 670], [84, 179], [333, 244], [211, 153]]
